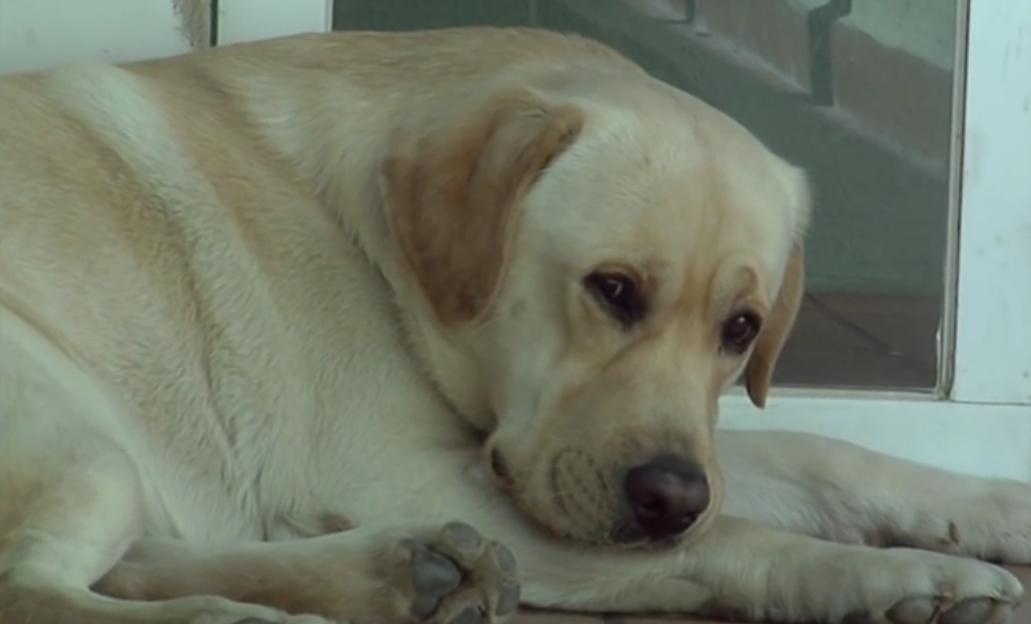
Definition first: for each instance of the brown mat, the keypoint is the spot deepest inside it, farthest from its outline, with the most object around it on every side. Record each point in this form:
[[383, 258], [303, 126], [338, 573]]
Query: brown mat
[[1022, 616]]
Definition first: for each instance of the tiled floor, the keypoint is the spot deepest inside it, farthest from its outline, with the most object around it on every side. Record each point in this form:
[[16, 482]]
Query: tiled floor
[[1022, 616], [863, 341]]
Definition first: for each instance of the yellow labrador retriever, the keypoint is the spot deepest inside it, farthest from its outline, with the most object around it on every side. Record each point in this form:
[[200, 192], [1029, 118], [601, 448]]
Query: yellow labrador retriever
[[281, 322]]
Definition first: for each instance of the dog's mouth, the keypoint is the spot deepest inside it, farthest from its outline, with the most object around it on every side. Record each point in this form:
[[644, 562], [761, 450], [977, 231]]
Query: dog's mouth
[[564, 495], [627, 533]]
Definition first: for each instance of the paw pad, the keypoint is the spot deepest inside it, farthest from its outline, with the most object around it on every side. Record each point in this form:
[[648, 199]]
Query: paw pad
[[433, 577], [462, 536], [458, 577]]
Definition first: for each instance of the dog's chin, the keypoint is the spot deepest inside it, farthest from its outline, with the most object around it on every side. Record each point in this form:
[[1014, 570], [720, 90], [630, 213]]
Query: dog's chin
[[556, 520], [628, 537], [625, 541], [560, 526], [621, 535], [618, 537]]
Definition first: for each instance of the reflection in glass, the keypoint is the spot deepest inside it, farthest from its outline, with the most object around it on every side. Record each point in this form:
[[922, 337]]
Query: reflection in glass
[[857, 93]]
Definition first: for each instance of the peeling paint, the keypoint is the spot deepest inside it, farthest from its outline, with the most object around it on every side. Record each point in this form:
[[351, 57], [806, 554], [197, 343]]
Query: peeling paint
[[194, 21]]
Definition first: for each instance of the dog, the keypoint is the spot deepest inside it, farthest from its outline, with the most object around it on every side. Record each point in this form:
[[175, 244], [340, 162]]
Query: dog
[[343, 326]]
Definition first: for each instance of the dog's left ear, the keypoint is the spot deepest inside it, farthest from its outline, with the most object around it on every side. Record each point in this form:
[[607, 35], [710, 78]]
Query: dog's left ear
[[776, 328], [453, 194]]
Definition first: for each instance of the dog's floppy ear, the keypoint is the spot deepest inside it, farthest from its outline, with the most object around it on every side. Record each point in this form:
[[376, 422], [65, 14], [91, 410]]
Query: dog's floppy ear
[[775, 330], [453, 194]]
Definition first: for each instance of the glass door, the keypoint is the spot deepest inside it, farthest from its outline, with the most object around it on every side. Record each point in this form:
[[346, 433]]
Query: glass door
[[859, 94]]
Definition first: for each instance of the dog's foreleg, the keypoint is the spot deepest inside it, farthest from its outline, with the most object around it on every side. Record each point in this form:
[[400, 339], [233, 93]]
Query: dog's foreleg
[[837, 490], [447, 574], [750, 572], [65, 524], [71, 500]]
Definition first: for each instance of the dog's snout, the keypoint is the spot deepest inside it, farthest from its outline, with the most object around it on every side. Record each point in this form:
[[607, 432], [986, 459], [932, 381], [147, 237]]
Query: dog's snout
[[666, 495]]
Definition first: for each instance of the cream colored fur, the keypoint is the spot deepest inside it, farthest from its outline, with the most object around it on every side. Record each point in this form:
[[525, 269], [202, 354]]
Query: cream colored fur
[[225, 338]]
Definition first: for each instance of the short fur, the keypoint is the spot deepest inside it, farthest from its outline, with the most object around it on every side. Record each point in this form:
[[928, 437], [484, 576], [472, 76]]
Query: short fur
[[270, 310]]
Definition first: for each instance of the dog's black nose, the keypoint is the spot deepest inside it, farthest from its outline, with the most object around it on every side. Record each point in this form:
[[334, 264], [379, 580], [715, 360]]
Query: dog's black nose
[[666, 495]]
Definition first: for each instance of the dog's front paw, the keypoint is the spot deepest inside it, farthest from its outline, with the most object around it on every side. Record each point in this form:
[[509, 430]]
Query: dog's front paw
[[916, 587], [455, 576]]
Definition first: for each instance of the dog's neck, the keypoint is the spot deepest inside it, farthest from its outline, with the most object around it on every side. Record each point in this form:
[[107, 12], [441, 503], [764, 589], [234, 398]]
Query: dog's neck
[[338, 141]]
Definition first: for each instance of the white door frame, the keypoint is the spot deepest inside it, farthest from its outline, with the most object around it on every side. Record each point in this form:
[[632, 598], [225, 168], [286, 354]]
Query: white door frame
[[993, 335]]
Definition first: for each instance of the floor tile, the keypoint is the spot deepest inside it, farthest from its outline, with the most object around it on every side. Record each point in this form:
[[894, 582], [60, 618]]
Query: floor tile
[[906, 325], [862, 341]]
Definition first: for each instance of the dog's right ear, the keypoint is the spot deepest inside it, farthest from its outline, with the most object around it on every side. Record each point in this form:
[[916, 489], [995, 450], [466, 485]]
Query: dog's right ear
[[453, 194]]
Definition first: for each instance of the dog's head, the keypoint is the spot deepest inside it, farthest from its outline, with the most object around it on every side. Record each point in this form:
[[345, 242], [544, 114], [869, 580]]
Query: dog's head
[[592, 271]]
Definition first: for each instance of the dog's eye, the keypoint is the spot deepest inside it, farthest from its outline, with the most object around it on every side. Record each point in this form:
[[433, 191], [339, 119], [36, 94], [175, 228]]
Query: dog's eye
[[739, 331], [619, 295]]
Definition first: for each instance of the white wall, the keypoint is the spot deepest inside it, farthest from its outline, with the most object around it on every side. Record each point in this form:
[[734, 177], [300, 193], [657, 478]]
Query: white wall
[[35, 34]]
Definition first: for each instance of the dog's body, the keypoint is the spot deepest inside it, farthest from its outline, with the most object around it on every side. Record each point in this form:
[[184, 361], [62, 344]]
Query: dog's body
[[229, 363]]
